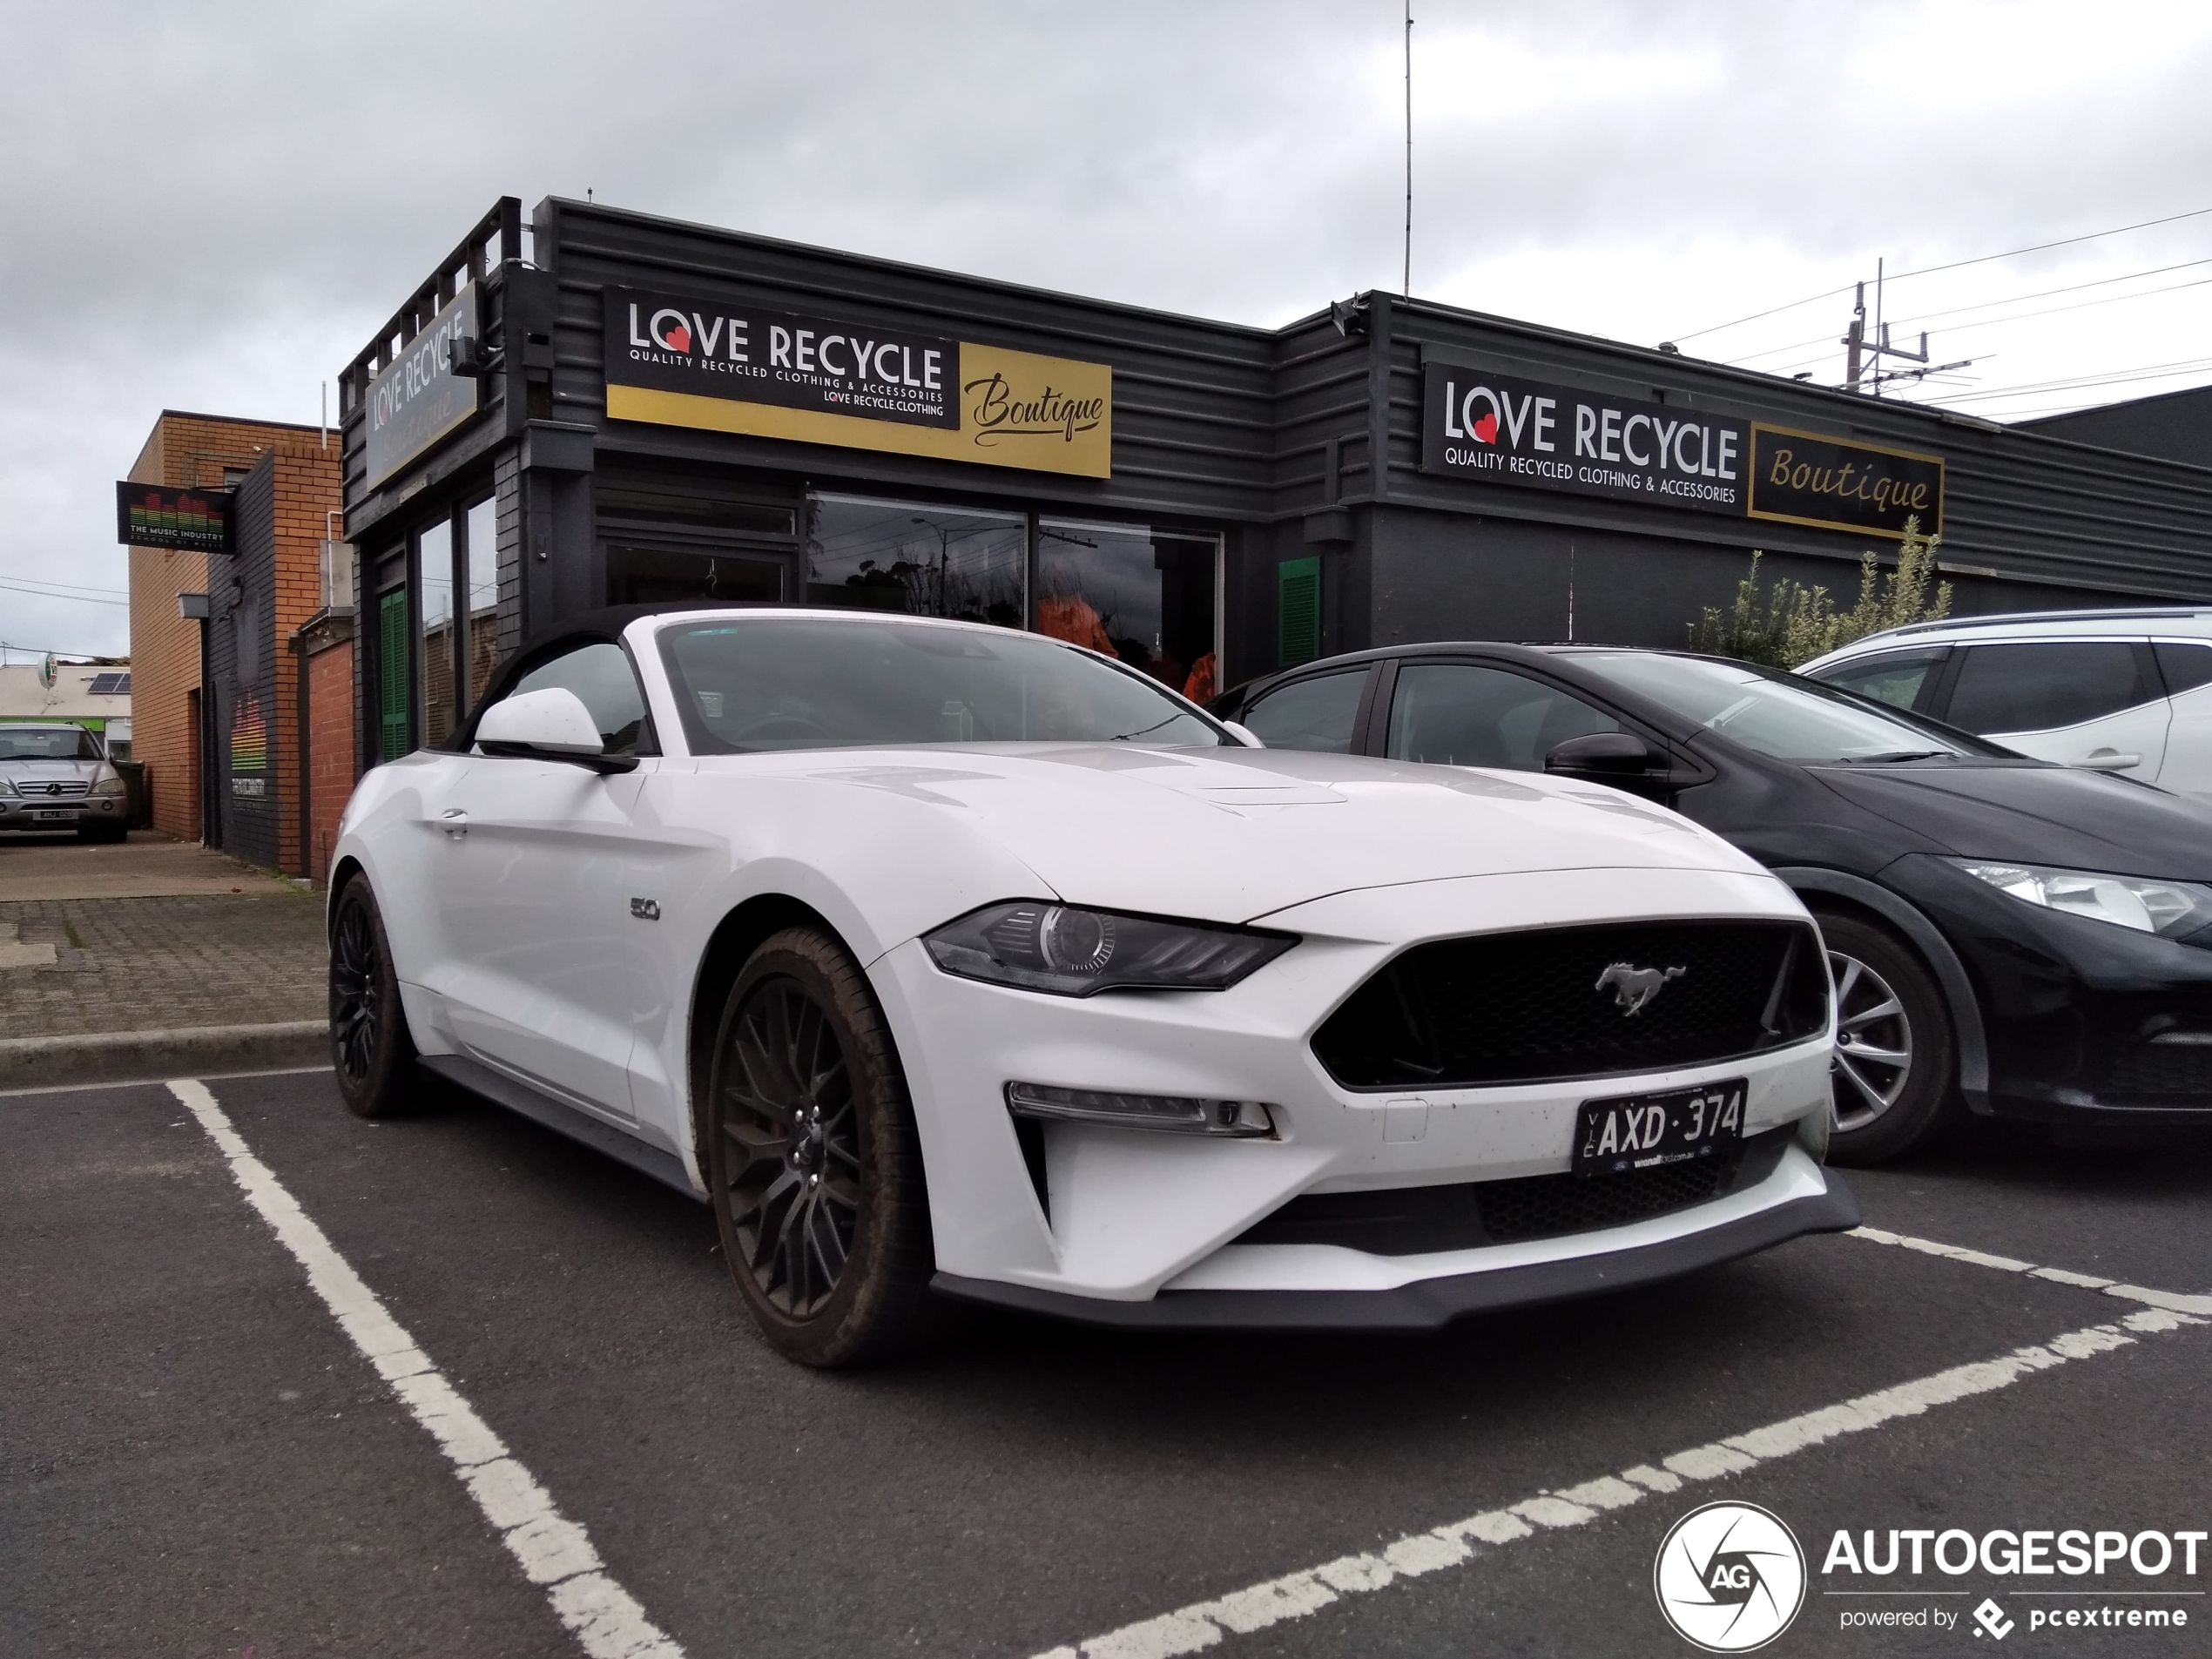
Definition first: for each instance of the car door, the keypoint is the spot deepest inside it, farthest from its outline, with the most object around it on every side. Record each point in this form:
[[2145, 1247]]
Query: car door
[[2185, 665], [2093, 703], [1325, 712], [547, 884], [1903, 679], [1486, 714]]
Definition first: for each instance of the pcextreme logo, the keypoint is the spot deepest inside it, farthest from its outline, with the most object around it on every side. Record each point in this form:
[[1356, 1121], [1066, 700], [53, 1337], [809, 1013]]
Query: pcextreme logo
[[1729, 1577]]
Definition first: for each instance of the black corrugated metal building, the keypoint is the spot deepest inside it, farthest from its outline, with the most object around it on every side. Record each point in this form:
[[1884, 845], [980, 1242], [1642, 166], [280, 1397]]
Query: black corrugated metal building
[[650, 410]]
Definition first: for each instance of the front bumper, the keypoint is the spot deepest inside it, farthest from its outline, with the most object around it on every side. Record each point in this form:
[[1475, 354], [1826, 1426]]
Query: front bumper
[[38, 812], [2085, 1020], [1125, 1216], [1425, 1303]]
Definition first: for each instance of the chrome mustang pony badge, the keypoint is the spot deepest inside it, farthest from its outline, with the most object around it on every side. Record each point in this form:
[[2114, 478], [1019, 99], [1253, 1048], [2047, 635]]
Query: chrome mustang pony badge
[[1633, 987]]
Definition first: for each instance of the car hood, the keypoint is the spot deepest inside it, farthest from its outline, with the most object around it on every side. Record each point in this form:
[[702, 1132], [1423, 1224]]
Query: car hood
[[1233, 834], [31, 770], [2037, 814]]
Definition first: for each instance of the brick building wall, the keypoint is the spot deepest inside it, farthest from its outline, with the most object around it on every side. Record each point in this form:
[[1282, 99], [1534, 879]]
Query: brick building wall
[[330, 750], [192, 451], [308, 484]]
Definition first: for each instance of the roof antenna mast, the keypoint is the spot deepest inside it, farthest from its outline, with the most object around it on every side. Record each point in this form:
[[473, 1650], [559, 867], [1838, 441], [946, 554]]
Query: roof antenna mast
[[1406, 285]]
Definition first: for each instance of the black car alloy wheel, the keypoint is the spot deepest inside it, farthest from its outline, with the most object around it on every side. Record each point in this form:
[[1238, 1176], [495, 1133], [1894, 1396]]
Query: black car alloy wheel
[[814, 1159], [793, 1187], [370, 1047], [354, 963]]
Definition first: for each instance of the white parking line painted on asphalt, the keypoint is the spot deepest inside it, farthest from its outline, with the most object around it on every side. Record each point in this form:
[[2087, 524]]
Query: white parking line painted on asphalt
[[2167, 1300], [552, 1550], [1204, 1624]]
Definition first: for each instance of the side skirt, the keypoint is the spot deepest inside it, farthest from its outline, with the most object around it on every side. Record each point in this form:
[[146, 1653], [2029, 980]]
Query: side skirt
[[664, 1167]]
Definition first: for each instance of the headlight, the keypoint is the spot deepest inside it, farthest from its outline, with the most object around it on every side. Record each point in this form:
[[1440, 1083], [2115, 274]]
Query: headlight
[[2168, 908], [112, 786], [1044, 947], [7, 788]]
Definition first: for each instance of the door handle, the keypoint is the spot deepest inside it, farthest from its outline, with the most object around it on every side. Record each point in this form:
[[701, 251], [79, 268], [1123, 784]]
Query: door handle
[[2107, 760], [454, 822]]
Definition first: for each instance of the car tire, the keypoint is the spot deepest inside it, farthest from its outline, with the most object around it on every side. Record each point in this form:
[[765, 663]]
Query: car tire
[[1895, 1071], [813, 1160], [371, 1047]]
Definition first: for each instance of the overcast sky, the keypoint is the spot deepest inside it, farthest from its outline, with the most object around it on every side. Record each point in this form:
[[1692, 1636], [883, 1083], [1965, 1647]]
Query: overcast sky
[[209, 206]]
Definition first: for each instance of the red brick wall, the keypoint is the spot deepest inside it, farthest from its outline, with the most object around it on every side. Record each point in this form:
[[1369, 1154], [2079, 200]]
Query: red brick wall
[[189, 450], [307, 490], [330, 750]]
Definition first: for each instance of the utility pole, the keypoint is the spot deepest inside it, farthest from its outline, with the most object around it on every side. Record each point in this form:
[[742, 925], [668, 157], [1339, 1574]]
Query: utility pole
[[1407, 285], [1862, 357]]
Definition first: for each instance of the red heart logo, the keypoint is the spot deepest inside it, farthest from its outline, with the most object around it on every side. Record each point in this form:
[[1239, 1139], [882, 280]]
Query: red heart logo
[[679, 339], [1485, 429]]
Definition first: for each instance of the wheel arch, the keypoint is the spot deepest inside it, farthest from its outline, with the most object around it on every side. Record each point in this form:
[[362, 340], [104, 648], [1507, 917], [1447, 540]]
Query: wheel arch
[[340, 873], [1857, 893]]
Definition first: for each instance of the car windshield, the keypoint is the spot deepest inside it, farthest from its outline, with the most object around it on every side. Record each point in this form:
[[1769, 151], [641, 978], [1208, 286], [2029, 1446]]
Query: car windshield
[[48, 743], [825, 682], [1790, 719]]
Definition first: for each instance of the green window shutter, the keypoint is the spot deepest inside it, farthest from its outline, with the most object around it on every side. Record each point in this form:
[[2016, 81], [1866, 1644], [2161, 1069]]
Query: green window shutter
[[391, 674], [1297, 611]]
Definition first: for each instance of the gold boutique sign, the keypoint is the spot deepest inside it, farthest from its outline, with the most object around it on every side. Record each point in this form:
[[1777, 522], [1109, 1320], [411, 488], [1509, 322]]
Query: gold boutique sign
[[681, 362]]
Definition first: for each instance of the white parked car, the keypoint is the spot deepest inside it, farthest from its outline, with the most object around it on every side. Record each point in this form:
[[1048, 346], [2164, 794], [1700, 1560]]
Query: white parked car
[[934, 955], [2127, 692]]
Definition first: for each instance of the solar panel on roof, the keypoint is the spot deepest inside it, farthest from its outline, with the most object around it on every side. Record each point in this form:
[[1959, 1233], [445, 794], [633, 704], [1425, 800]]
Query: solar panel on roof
[[111, 685]]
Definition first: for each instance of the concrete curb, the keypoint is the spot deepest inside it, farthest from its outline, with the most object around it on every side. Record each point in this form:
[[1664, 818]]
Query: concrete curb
[[149, 1056]]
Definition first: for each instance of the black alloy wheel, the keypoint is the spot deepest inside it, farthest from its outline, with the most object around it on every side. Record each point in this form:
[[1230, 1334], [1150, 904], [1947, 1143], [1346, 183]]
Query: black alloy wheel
[[370, 1046], [813, 1158], [1895, 1074]]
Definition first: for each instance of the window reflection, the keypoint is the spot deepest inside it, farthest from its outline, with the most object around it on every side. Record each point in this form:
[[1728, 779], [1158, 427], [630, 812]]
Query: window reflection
[[434, 607], [483, 596], [1144, 596], [922, 560]]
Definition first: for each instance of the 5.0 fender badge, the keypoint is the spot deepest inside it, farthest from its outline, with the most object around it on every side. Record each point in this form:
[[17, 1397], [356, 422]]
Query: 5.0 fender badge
[[645, 909]]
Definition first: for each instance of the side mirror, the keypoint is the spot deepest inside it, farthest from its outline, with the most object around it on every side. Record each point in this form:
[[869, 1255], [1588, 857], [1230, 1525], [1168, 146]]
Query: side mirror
[[551, 724], [1603, 756], [1244, 735]]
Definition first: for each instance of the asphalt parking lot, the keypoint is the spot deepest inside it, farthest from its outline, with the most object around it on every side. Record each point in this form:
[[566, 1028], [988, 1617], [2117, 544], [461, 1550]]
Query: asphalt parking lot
[[198, 1457]]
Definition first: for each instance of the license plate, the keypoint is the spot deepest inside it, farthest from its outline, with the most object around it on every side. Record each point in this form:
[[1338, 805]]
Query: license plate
[[63, 812], [1640, 1131]]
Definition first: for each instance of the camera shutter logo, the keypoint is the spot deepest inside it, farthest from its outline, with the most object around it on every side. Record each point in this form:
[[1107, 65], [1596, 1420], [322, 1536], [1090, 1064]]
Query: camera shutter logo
[[1729, 1577]]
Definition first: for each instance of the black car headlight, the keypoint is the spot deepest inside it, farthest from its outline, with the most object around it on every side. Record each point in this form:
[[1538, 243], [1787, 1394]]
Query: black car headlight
[[2169, 909], [1040, 946]]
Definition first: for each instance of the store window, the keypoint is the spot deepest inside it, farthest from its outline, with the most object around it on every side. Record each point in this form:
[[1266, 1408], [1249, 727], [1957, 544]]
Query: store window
[[1150, 597], [921, 560], [434, 611], [481, 534]]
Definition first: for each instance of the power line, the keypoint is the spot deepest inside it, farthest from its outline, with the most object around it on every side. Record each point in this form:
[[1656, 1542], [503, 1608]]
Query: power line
[[1985, 305], [78, 587], [1955, 265], [65, 598], [2114, 377]]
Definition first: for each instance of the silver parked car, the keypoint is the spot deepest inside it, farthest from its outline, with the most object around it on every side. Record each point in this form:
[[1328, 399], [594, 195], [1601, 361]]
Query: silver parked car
[[57, 778]]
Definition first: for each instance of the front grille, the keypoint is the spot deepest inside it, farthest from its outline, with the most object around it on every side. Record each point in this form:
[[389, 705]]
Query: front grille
[[1418, 1221], [2164, 1069], [62, 790], [1548, 1005]]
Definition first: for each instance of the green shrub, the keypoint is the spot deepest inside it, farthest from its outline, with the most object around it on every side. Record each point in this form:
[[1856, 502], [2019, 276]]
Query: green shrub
[[1792, 623]]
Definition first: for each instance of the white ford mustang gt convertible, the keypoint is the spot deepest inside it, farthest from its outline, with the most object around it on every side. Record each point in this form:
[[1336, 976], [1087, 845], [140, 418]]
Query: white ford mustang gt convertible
[[943, 959]]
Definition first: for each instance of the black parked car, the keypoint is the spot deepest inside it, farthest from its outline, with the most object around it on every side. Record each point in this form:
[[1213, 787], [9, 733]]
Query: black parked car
[[2030, 940]]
